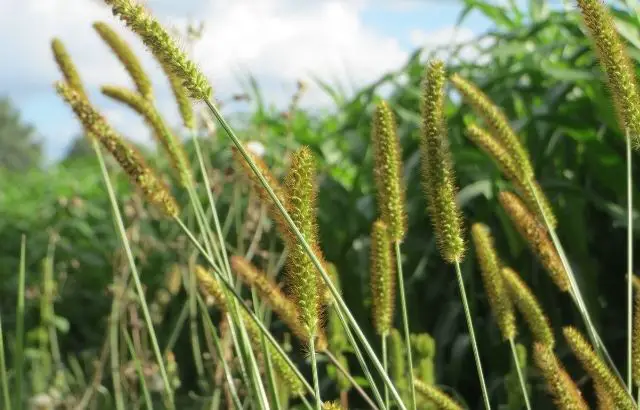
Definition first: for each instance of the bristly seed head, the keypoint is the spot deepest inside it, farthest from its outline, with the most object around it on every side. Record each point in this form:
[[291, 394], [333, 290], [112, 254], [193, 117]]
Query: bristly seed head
[[437, 168], [597, 369], [562, 388], [383, 281], [66, 66], [493, 282], [163, 46], [388, 171], [496, 121], [153, 189], [616, 64], [436, 396], [536, 237], [529, 307], [128, 59]]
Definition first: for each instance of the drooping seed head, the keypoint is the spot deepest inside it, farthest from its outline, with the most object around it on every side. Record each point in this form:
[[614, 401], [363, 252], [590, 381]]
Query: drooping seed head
[[562, 388], [596, 368], [496, 121], [181, 95], [128, 59], [388, 171], [442, 400], [163, 46], [302, 276], [493, 282], [529, 307], [286, 309], [163, 135], [536, 237], [133, 164], [616, 64], [66, 66], [383, 281], [437, 167]]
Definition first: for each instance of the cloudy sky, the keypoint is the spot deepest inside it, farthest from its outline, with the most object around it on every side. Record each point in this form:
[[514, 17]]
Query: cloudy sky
[[347, 42]]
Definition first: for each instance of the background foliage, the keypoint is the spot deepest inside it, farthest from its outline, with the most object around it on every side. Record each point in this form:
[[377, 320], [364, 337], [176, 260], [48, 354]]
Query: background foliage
[[536, 63]]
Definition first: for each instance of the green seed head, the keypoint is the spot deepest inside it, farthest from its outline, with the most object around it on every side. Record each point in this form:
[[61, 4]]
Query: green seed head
[[438, 175], [66, 66], [128, 59], [529, 307], [147, 110], [442, 400], [562, 388], [493, 282], [383, 283], [596, 368], [388, 171], [163, 46], [536, 237], [133, 164], [616, 64], [496, 121]]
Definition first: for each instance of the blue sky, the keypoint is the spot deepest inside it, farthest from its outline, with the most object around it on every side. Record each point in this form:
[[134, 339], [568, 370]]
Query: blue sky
[[278, 41]]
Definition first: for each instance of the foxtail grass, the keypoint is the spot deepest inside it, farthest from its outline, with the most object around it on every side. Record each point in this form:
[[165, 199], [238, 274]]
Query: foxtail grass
[[66, 66], [436, 396], [566, 394], [439, 185]]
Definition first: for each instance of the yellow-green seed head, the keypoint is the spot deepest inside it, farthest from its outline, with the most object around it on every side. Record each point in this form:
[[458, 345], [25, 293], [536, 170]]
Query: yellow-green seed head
[[147, 110], [181, 95], [496, 121], [529, 307], [616, 64], [442, 400], [636, 331], [383, 283], [173, 279], [128, 59], [493, 282], [562, 388], [302, 276], [275, 298], [604, 399], [596, 368], [66, 66], [536, 237], [437, 167], [388, 171], [133, 164], [163, 46], [331, 405]]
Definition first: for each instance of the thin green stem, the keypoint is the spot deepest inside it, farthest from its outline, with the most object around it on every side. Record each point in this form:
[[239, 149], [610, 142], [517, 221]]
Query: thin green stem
[[273, 387], [629, 264], [523, 383], [472, 336], [385, 363], [405, 322], [114, 321], [353, 382], [136, 277], [4, 379], [296, 231], [136, 361], [19, 349], [314, 371]]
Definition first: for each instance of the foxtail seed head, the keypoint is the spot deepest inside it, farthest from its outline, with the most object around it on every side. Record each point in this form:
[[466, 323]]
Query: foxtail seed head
[[437, 167], [493, 282], [596, 368], [302, 276], [210, 287], [562, 388], [181, 95], [605, 401], [128, 59], [616, 64], [383, 281], [152, 117], [66, 66], [331, 405], [163, 46], [636, 332], [536, 236], [496, 121], [275, 298], [388, 171], [437, 396], [529, 307], [152, 188]]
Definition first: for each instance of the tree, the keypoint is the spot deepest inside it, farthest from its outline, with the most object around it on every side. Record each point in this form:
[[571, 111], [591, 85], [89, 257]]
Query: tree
[[19, 148]]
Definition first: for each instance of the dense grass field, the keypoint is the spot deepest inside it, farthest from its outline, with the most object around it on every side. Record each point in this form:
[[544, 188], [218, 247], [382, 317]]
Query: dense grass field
[[107, 301]]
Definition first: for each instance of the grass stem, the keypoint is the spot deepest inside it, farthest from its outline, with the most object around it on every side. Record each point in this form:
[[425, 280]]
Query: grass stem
[[405, 322], [385, 363], [19, 349], [314, 370], [523, 383], [4, 378], [354, 383], [629, 264]]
